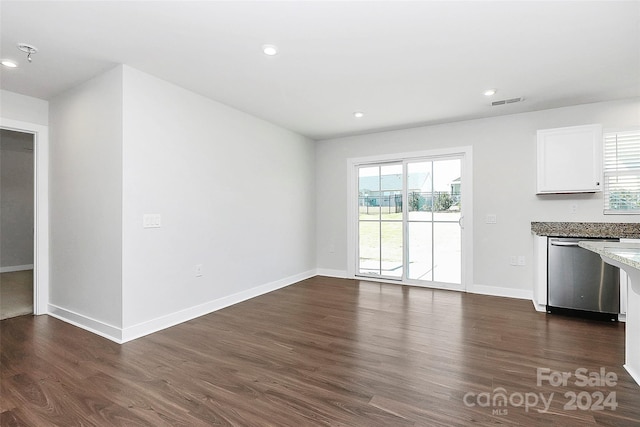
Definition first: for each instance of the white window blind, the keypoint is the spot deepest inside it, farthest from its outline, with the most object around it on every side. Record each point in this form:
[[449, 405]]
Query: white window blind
[[622, 172]]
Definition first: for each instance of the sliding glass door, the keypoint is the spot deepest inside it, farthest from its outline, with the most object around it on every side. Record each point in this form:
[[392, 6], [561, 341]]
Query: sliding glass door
[[410, 219], [380, 228], [434, 238]]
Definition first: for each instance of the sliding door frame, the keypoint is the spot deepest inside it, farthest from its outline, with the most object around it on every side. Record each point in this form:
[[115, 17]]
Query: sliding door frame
[[466, 155]]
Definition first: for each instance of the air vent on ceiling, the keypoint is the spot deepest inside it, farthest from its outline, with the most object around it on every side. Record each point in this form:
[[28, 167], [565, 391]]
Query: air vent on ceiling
[[507, 101]]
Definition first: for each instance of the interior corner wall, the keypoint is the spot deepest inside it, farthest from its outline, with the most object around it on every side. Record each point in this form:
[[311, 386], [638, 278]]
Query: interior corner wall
[[17, 207], [235, 195], [85, 201], [504, 177]]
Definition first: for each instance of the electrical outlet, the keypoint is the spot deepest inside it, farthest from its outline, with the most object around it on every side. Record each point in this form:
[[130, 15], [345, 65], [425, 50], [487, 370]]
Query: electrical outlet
[[198, 270], [574, 208], [513, 260]]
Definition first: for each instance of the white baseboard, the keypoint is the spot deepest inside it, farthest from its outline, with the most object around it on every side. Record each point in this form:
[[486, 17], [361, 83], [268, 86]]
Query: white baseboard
[[154, 325], [12, 268], [122, 335], [98, 327], [474, 289], [542, 308], [340, 274], [501, 292], [634, 374]]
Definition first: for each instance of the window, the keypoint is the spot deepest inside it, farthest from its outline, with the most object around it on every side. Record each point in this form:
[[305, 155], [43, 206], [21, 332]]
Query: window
[[622, 172]]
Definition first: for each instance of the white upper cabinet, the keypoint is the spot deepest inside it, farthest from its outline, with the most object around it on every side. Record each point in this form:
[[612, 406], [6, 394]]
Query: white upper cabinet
[[570, 160]]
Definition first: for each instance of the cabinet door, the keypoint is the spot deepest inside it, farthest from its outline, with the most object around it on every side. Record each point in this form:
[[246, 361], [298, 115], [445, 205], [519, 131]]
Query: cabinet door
[[569, 160]]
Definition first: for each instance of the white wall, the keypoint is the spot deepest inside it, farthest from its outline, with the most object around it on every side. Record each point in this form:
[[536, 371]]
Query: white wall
[[235, 194], [23, 108], [504, 156], [86, 201], [16, 201]]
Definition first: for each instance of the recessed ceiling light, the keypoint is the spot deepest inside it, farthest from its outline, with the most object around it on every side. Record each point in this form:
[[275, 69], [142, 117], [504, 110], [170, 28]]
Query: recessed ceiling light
[[358, 114], [270, 50], [490, 92], [8, 64]]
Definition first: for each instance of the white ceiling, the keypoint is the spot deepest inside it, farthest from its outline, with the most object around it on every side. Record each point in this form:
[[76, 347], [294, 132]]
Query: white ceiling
[[402, 63]]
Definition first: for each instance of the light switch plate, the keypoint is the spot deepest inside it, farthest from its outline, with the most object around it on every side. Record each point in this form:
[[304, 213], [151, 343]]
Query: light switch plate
[[151, 220], [491, 219]]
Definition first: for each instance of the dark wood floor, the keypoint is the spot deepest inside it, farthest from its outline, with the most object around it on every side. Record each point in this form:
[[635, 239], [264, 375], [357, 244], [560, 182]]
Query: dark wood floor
[[321, 352]]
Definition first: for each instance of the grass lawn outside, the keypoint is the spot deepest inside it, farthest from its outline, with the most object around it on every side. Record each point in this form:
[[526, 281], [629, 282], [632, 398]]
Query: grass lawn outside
[[444, 266]]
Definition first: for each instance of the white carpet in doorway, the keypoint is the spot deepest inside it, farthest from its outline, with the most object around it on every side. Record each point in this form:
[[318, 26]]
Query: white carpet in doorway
[[16, 293]]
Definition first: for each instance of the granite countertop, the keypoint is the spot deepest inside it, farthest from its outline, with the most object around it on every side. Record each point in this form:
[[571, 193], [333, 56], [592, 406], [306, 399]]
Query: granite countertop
[[626, 253], [627, 230]]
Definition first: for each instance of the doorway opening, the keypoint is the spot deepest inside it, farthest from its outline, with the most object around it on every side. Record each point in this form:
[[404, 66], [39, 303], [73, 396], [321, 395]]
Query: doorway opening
[[40, 136], [17, 223]]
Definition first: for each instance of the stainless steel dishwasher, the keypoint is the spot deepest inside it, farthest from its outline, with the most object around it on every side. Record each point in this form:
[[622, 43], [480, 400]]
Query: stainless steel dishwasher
[[579, 282]]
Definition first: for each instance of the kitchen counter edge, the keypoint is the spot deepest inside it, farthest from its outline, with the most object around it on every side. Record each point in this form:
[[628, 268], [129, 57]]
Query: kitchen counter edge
[[623, 252], [611, 230]]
